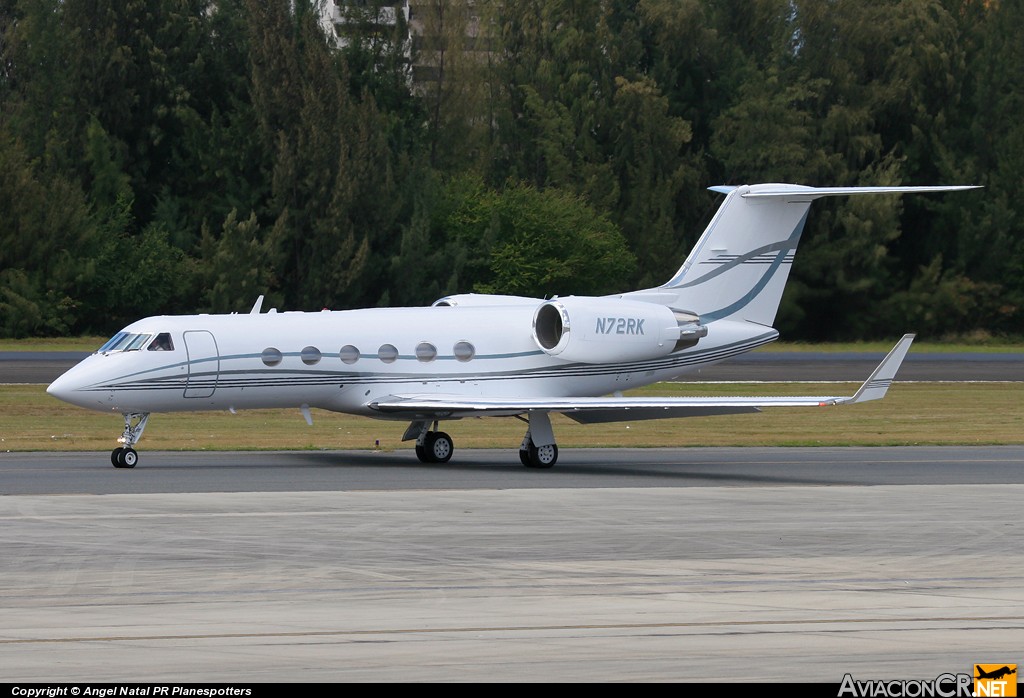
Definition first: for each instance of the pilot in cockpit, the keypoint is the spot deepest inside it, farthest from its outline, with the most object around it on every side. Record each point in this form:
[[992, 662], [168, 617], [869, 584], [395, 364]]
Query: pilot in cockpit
[[162, 343]]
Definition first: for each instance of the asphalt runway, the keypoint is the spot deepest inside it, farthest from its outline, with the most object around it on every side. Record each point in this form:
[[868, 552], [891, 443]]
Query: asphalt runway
[[170, 472], [618, 565]]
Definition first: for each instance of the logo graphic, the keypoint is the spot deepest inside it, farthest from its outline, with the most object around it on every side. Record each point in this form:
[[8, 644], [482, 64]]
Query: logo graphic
[[998, 680]]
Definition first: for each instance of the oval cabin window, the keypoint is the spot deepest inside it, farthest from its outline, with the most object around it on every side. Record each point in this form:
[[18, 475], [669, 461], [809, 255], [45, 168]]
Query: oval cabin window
[[271, 356], [387, 353], [310, 356], [464, 351], [425, 351], [349, 354]]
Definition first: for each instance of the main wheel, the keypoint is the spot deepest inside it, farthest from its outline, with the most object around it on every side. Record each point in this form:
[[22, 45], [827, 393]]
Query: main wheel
[[421, 453], [524, 457], [439, 447], [543, 456], [115, 455]]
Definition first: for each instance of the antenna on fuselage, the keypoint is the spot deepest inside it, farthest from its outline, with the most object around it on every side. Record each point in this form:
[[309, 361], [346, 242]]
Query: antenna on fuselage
[[257, 306]]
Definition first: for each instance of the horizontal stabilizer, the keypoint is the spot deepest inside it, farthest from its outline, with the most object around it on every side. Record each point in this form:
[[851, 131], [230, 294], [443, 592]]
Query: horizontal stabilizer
[[799, 193]]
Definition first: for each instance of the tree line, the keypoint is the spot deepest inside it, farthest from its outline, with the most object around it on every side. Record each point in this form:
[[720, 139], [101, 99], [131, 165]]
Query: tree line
[[162, 156]]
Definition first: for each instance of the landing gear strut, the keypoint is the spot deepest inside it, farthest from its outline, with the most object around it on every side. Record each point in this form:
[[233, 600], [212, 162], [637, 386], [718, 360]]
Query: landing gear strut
[[126, 456]]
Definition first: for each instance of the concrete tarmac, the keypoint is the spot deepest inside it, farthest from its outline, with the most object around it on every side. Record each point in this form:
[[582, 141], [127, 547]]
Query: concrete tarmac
[[702, 565]]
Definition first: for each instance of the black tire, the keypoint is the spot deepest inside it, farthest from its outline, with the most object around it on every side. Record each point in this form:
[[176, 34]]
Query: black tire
[[115, 455], [128, 458], [422, 454], [543, 457], [524, 457], [439, 447]]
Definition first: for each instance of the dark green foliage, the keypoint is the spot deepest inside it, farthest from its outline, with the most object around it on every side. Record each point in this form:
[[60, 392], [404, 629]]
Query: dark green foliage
[[552, 242], [518, 240], [174, 155], [525, 241], [38, 271], [235, 272]]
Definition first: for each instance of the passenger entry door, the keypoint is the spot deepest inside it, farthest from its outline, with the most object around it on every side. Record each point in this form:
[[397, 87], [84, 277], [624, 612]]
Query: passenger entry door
[[203, 363]]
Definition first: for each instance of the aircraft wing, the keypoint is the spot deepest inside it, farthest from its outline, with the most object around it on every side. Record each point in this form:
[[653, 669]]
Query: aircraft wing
[[620, 409]]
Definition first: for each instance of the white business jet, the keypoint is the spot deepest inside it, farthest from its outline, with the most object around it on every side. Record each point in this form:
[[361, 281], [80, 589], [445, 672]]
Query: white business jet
[[475, 355]]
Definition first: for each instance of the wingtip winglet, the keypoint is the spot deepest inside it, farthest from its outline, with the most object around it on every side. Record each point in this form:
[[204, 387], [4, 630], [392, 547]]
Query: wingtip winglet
[[876, 386]]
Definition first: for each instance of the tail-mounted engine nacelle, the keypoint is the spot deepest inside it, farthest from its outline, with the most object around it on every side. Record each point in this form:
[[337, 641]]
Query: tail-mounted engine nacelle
[[603, 330]]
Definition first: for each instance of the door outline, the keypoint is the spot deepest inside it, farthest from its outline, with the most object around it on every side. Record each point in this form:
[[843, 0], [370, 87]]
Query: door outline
[[201, 348]]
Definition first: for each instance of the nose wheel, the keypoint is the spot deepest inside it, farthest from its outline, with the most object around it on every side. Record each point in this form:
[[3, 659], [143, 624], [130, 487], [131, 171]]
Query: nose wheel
[[122, 457], [126, 456]]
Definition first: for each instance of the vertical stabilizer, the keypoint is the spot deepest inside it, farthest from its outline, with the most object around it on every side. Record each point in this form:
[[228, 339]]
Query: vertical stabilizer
[[739, 267]]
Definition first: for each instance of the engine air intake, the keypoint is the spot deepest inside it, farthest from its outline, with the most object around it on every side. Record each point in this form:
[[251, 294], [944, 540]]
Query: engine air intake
[[612, 330], [549, 326]]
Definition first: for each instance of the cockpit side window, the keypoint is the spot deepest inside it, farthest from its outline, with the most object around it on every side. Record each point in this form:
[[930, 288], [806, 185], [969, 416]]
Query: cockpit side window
[[162, 343]]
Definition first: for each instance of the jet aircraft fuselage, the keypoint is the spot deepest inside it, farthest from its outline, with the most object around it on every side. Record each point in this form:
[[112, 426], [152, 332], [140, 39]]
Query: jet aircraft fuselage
[[346, 360]]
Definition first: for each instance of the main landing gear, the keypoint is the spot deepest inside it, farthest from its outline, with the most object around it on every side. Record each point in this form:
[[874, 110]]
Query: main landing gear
[[126, 456], [434, 446], [533, 456], [538, 449]]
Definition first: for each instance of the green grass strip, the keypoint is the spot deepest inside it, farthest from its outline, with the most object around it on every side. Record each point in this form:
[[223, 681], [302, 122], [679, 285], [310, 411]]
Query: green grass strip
[[912, 414]]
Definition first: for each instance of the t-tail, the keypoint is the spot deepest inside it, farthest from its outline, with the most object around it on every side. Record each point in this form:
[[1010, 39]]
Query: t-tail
[[739, 267]]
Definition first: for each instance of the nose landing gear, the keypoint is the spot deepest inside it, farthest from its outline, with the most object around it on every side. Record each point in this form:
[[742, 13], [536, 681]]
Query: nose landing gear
[[126, 456]]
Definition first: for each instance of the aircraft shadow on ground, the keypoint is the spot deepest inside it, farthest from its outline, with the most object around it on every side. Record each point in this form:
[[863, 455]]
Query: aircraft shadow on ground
[[568, 468]]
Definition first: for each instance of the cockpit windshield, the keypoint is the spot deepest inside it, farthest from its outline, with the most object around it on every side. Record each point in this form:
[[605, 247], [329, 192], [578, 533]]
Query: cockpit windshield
[[124, 341], [113, 342]]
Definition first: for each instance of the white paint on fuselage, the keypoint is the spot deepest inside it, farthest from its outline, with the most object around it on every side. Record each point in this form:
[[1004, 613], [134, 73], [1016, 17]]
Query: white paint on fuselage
[[507, 362]]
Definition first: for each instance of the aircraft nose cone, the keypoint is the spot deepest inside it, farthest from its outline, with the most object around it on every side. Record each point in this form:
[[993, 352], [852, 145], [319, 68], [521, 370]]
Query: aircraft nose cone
[[61, 388], [86, 384], [69, 388]]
